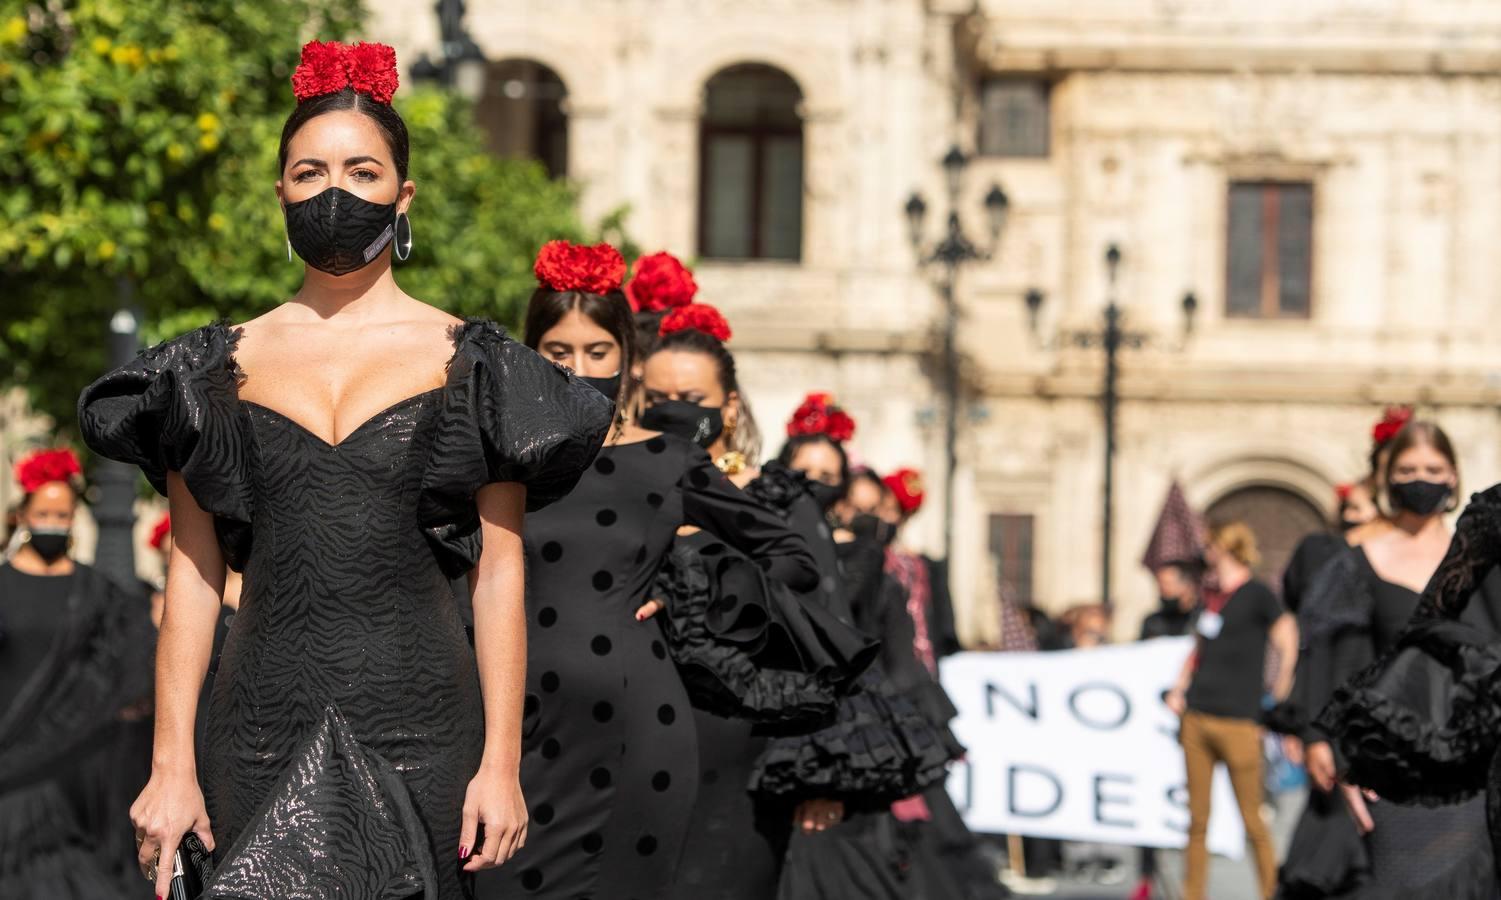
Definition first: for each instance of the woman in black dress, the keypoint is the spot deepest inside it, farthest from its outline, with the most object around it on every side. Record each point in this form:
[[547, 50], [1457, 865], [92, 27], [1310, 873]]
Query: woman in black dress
[[609, 757], [350, 452], [1356, 611], [756, 657], [882, 747], [74, 656]]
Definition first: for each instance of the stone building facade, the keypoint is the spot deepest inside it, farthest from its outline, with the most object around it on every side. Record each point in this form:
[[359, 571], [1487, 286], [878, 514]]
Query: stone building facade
[[1324, 176]]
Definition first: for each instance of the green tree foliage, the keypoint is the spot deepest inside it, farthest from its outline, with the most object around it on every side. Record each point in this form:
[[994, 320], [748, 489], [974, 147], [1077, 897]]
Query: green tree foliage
[[138, 153]]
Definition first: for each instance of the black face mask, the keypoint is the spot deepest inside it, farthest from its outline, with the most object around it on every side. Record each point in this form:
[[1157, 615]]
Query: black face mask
[[873, 528], [49, 543], [699, 424], [1422, 497], [825, 495], [610, 387], [337, 232]]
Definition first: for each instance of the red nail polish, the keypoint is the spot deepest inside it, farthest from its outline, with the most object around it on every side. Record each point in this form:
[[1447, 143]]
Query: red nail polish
[[463, 852]]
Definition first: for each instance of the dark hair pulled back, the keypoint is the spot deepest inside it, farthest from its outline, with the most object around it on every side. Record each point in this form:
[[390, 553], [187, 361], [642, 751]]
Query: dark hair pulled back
[[386, 118], [611, 311]]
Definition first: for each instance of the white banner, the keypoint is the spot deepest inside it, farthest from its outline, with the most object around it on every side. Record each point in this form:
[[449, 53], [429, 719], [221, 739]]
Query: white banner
[[1078, 745]]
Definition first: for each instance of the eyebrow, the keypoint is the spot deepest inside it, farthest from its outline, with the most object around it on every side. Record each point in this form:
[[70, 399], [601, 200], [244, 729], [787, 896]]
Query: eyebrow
[[351, 161]]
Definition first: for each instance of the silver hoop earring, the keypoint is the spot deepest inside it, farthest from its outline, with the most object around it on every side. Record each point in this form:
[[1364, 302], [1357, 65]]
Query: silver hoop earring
[[403, 248], [289, 249]]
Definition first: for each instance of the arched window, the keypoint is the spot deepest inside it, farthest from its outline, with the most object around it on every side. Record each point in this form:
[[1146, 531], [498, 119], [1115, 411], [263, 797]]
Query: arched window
[[751, 166], [1278, 517], [522, 112]]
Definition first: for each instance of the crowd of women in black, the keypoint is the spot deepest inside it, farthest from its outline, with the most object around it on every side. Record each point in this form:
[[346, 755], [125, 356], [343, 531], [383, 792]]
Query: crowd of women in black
[[539, 624]]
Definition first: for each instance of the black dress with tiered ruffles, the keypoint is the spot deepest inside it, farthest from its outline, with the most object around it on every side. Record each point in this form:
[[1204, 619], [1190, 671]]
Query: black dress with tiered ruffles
[[1416, 717], [346, 718]]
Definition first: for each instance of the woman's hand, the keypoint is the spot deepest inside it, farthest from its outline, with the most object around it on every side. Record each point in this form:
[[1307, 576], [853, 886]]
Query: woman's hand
[[170, 806], [819, 814], [649, 609], [1319, 761], [1177, 701], [1355, 799], [492, 802]]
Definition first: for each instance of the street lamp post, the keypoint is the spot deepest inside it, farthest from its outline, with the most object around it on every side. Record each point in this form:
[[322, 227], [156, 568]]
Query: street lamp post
[[954, 250], [1112, 338], [114, 514], [463, 63]]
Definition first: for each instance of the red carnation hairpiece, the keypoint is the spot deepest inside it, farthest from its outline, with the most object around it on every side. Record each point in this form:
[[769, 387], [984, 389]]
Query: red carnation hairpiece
[[45, 467], [820, 414], [562, 266], [906, 485], [160, 531], [1342, 491], [1395, 419], [659, 282], [697, 317], [328, 67]]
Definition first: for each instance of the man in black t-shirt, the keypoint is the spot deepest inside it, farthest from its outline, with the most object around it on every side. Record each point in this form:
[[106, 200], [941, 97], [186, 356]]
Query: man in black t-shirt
[[1219, 696]]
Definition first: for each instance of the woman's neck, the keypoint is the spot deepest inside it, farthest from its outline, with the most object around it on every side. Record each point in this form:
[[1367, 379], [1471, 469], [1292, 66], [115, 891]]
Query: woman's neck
[[1414, 525], [360, 295], [1233, 575], [31, 562]]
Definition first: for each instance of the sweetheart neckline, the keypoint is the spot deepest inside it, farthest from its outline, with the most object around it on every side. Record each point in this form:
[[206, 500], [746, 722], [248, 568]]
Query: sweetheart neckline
[[334, 445]]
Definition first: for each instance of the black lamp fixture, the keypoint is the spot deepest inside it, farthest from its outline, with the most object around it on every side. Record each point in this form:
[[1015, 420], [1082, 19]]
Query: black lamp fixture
[[1111, 337], [463, 63], [947, 256]]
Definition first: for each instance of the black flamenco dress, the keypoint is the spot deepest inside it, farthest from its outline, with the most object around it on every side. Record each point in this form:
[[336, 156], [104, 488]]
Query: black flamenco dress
[[1442, 851], [887, 741], [75, 653], [346, 719], [758, 660], [609, 756]]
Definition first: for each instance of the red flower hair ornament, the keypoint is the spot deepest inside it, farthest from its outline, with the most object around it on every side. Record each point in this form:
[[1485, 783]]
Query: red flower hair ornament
[[659, 282], [906, 485], [160, 531], [820, 414], [1343, 491], [46, 466], [696, 317], [328, 67], [1395, 419], [562, 266]]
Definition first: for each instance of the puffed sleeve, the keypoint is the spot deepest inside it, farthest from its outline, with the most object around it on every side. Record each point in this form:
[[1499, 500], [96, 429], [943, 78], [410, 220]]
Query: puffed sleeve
[[712, 502], [175, 408], [508, 415]]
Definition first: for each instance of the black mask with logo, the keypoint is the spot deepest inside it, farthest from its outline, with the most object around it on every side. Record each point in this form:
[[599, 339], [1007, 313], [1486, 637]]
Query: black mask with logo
[[49, 543], [699, 424], [610, 387], [1422, 497], [337, 232]]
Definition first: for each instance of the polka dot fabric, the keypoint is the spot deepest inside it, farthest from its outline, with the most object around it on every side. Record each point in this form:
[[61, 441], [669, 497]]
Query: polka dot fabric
[[610, 759]]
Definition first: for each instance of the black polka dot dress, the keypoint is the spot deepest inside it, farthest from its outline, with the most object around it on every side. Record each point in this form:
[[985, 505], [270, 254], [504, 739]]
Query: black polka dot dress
[[609, 753]]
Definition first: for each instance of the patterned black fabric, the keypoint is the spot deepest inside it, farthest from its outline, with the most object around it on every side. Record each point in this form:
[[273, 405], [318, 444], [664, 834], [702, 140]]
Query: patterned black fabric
[[609, 752], [346, 550]]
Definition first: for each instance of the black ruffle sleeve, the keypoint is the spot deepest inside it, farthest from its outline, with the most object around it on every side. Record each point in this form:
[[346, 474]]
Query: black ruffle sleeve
[[175, 408], [508, 415], [712, 502], [748, 648]]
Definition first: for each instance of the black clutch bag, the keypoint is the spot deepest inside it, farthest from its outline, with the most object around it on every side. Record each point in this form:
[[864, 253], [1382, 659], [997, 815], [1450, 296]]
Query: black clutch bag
[[191, 867]]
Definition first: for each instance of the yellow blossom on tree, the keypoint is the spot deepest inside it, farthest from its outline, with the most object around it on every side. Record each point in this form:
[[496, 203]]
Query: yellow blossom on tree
[[107, 249], [209, 142], [101, 45], [216, 221], [176, 152], [208, 122], [15, 31]]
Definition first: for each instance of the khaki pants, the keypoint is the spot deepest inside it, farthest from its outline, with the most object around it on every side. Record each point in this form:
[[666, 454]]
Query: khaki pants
[[1208, 740]]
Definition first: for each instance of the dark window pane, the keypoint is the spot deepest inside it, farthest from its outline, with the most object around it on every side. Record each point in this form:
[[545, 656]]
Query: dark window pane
[[1014, 117], [521, 113], [1243, 292], [752, 171], [729, 176], [1294, 248]]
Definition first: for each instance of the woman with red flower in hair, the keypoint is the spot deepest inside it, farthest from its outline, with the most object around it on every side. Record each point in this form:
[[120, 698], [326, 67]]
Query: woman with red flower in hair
[[608, 751], [352, 452], [74, 658]]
